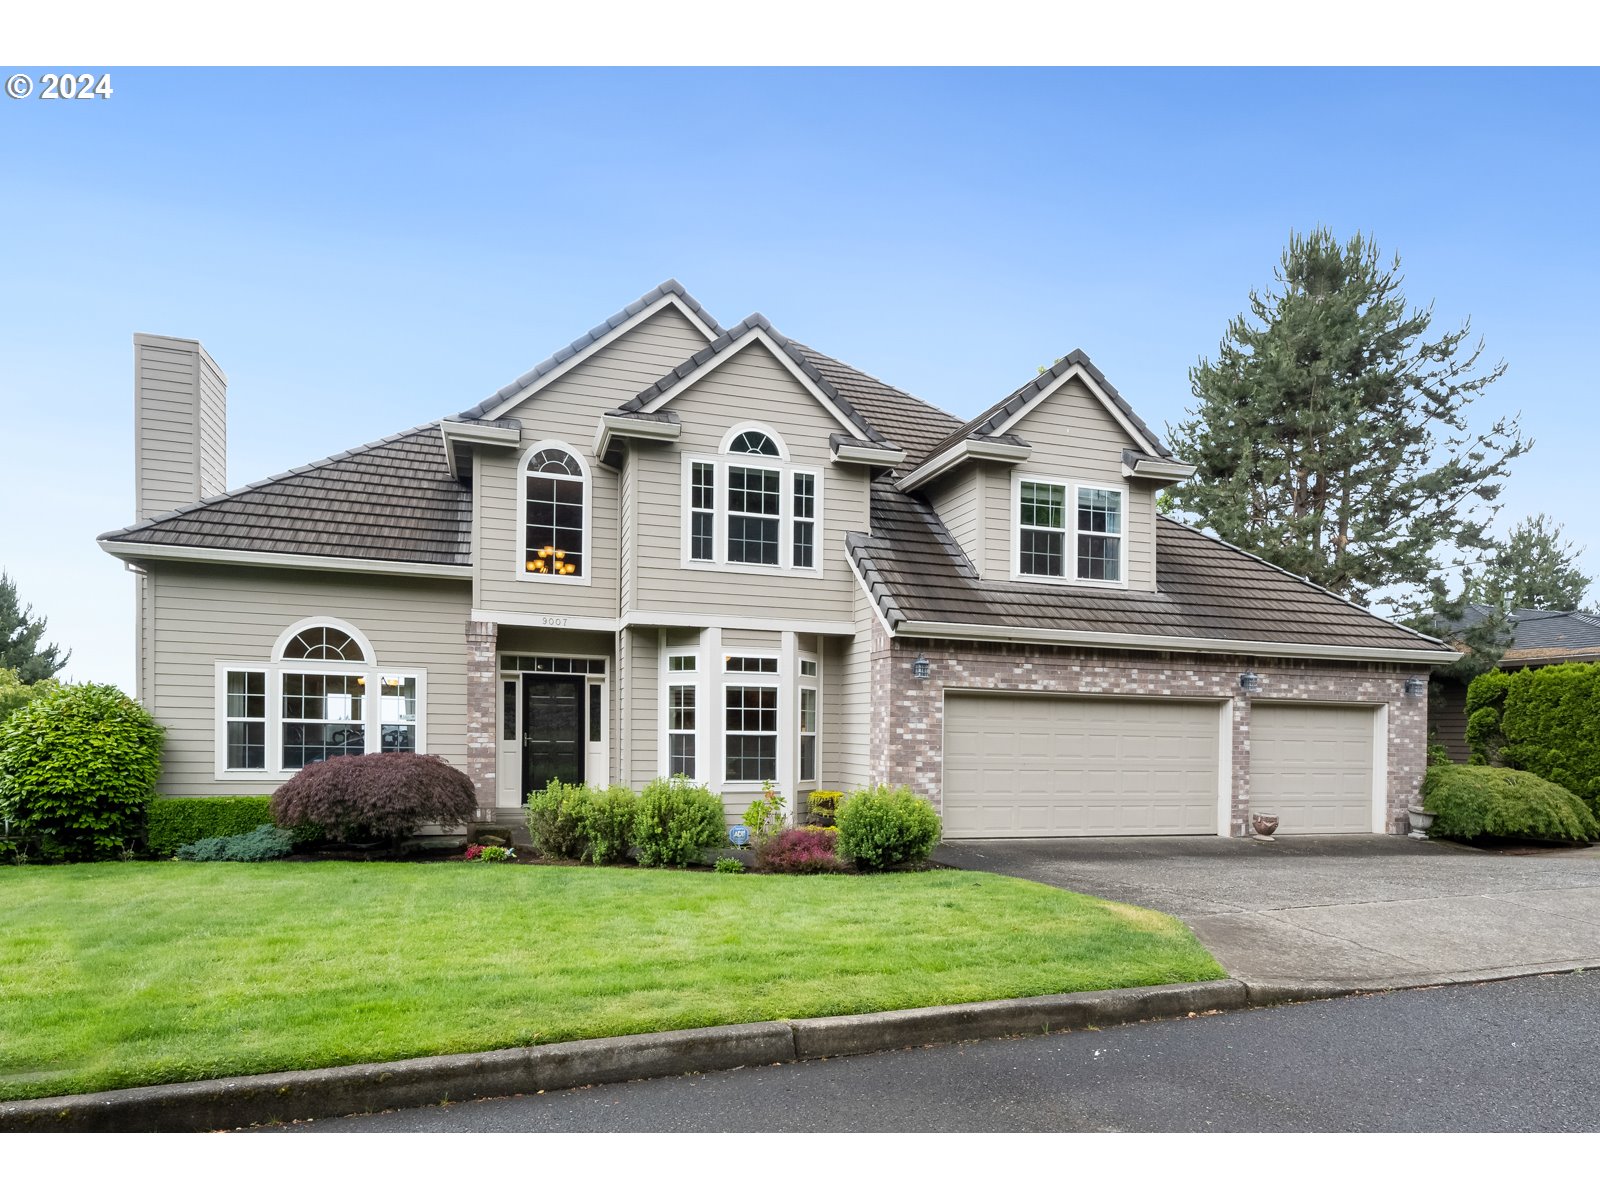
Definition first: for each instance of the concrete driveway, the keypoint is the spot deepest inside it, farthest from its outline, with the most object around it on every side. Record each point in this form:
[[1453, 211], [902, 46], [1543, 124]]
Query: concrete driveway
[[1336, 911]]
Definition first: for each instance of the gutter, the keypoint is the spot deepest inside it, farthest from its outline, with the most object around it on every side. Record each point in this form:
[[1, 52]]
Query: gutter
[[133, 552]]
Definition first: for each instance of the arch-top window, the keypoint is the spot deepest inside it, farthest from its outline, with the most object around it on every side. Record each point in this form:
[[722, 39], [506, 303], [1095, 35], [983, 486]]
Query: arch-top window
[[324, 642], [753, 441], [554, 504]]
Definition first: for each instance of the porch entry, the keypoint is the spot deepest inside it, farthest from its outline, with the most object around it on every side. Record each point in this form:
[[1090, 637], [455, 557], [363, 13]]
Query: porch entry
[[553, 724]]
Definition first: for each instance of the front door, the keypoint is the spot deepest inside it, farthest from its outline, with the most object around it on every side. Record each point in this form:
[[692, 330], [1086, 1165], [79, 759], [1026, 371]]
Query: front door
[[552, 730]]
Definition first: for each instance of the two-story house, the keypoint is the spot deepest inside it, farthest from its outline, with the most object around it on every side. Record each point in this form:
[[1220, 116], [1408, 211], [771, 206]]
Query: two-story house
[[673, 547]]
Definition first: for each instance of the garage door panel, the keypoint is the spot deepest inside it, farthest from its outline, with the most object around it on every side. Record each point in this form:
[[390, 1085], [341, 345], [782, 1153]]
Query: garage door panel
[[1060, 766], [1311, 765]]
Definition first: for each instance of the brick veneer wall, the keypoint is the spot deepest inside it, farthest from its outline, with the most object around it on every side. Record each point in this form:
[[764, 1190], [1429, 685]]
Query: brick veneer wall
[[482, 679], [908, 727]]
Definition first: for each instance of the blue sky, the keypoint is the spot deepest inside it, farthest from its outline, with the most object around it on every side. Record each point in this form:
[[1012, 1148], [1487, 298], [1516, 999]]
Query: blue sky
[[366, 250]]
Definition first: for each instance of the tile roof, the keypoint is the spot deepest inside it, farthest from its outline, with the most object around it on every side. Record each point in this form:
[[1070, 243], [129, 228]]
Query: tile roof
[[391, 500], [912, 424], [522, 382], [988, 422], [1541, 635], [730, 339], [1205, 589]]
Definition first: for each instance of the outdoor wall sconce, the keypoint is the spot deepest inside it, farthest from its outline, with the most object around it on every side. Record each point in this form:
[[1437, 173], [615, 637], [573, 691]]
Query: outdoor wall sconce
[[1250, 683], [919, 668], [1416, 686]]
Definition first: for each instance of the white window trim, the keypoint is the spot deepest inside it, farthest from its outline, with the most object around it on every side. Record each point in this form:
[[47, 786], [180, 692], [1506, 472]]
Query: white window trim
[[1070, 554], [813, 684], [281, 646], [753, 427], [275, 671], [521, 523], [786, 471], [694, 678]]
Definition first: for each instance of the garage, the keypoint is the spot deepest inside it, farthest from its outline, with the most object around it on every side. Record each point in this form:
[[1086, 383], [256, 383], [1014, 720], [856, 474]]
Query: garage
[[1311, 764], [1019, 765]]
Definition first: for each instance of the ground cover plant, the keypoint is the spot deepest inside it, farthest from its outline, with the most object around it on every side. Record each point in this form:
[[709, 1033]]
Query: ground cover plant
[[1474, 802], [119, 974]]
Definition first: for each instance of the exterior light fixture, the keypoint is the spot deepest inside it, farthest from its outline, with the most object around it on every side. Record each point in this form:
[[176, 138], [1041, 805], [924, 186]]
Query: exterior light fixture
[[1250, 683], [919, 668], [1416, 686]]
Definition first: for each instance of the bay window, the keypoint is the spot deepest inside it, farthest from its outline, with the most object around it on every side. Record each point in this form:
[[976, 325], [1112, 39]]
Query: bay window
[[751, 721]]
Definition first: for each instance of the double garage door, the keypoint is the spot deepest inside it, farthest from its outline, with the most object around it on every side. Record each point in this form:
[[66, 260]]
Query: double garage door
[[1020, 765]]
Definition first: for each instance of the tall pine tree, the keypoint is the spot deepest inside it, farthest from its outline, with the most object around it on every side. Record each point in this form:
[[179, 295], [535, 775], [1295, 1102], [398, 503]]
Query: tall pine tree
[[1535, 567], [20, 634], [1331, 434]]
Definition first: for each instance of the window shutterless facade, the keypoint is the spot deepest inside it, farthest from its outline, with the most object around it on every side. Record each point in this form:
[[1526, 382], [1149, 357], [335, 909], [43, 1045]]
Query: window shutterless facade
[[751, 722], [1099, 534], [681, 730], [808, 734], [1068, 531], [555, 514], [749, 508], [247, 720]]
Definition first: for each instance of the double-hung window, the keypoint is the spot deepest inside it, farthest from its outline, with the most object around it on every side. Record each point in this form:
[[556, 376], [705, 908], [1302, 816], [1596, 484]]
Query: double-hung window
[[754, 500], [247, 720], [749, 507], [805, 519], [681, 731], [808, 720], [752, 733], [703, 511], [1073, 532]]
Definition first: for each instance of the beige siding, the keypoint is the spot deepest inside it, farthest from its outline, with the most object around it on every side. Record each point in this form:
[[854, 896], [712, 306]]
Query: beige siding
[[568, 410], [644, 705], [180, 437], [208, 615], [750, 639], [1073, 437], [848, 728], [627, 487], [752, 386], [958, 499]]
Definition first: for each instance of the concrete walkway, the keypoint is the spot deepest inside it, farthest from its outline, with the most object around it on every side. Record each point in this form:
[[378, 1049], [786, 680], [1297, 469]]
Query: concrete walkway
[[1338, 911]]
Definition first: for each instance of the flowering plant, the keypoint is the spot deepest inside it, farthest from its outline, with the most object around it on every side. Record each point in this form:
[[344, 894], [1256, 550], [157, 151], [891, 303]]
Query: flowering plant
[[474, 852]]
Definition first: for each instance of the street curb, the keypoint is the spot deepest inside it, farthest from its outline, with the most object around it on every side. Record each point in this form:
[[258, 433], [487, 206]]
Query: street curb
[[1265, 992], [410, 1083]]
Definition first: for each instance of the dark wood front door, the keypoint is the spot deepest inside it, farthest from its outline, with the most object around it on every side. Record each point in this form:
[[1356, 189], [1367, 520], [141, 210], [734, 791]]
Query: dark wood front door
[[553, 742]]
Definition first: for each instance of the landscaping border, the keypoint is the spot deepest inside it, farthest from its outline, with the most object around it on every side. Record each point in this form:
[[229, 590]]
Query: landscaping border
[[283, 1096]]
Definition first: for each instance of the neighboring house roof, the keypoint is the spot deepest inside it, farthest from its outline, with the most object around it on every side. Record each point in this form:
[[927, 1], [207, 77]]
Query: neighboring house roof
[[1207, 591], [392, 500], [1540, 635]]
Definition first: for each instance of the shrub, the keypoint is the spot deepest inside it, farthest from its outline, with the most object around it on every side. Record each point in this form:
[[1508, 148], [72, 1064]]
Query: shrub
[[605, 820], [824, 807], [77, 768], [174, 821], [765, 815], [730, 866], [883, 827], [808, 850], [676, 822], [262, 844], [555, 819], [496, 854], [15, 695], [1472, 802], [381, 796]]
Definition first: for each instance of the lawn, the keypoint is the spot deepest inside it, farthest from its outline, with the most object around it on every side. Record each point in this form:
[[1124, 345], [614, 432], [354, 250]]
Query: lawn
[[120, 974]]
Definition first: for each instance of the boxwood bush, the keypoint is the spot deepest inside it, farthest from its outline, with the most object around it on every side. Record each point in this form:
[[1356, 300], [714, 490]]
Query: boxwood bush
[[1475, 801], [375, 796], [605, 819], [883, 827], [175, 821], [677, 822], [78, 766], [262, 844], [555, 819]]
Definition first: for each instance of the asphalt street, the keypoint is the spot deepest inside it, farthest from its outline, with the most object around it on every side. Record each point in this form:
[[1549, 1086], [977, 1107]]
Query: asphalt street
[[1479, 1057]]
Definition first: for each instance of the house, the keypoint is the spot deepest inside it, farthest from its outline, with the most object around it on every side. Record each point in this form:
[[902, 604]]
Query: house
[[678, 547], [1539, 637]]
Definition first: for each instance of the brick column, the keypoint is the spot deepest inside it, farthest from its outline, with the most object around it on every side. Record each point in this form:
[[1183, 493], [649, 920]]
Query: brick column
[[482, 681]]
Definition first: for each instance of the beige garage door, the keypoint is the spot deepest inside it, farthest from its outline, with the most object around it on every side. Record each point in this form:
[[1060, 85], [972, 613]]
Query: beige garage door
[[1312, 766], [1018, 766]]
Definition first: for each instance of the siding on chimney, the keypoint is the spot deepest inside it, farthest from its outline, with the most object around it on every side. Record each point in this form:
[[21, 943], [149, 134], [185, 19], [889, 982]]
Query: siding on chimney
[[180, 424]]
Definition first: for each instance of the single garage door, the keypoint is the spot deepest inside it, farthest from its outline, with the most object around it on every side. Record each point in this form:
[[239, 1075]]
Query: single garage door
[[1312, 766], [1018, 766]]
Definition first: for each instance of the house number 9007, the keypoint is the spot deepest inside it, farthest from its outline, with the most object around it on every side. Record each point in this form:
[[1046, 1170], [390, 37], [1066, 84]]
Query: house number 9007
[[553, 620]]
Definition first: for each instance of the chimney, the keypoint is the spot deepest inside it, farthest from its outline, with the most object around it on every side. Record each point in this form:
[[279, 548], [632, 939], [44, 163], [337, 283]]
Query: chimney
[[180, 424]]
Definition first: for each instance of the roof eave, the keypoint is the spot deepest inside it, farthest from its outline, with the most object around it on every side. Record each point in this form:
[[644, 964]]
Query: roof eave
[[952, 457], [614, 428], [145, 551]]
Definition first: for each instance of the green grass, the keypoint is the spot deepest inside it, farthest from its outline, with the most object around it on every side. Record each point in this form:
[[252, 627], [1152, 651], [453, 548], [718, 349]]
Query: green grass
[[121, 974]]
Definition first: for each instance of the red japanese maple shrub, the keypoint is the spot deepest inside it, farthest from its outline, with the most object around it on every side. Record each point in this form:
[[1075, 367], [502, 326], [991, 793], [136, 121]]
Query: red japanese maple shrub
[[376, 796], [807, 850]]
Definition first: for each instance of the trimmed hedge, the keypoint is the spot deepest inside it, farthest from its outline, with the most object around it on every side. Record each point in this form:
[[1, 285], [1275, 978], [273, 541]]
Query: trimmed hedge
[[175, 821], [1546, 721], [1472, 802]]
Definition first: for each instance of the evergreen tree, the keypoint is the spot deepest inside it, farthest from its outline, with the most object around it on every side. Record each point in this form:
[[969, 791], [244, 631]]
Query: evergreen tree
[[1331, 433], [20, 632], [1535, 567]]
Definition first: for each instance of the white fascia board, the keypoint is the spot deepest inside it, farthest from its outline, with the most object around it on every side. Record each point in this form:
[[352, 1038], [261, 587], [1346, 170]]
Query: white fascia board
[[1126, 641], [737, 621], [872, 456], [729, 353], [612, 426], [644, 314], [135, 551], [1110, 405], [1172, 472], [457, 433], [954, 456], [544, 620]]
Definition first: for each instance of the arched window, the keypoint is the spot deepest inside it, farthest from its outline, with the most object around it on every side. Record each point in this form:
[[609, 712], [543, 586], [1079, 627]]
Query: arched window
[[325, 642], [753, 441], [554, 513]]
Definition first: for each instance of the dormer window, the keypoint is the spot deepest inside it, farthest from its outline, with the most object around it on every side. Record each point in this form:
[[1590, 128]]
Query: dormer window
[[1069, 531], [555, 514], [749, 508]]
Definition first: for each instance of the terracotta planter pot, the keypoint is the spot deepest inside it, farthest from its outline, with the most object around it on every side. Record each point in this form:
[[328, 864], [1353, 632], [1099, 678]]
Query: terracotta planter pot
[[1265, 824]]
